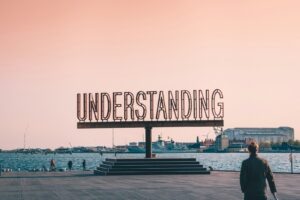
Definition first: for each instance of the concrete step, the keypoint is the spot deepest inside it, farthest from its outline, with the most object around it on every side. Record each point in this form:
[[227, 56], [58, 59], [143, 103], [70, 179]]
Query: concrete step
[[105, 165], [149, 159], [149, 162], [98, 172], [152, 166], [153, 169]]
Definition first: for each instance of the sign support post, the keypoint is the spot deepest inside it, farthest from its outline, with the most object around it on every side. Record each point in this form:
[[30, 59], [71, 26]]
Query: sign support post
[[148, 143]]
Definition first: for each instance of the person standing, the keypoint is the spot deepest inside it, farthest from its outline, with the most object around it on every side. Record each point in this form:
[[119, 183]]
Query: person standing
[[253, 175], [70, 164], [84, 165], [52, 165]]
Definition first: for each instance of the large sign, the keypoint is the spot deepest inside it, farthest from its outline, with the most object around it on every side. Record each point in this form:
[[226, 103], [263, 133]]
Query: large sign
[[150, 105]]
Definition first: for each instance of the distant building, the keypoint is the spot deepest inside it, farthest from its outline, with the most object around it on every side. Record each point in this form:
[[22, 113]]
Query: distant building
[[141, 144], [63, 150], [133, 143], [121, 148], [222, 142], [237, 147], [208, 142], [281, 134]]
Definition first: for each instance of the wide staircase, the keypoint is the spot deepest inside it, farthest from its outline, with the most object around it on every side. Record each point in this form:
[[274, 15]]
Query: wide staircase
[[150, 166]]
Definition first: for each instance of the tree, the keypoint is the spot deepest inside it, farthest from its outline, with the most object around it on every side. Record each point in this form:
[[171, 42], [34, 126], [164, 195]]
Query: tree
[[290, 142], [197, 141], [297, 143], [265, 144]]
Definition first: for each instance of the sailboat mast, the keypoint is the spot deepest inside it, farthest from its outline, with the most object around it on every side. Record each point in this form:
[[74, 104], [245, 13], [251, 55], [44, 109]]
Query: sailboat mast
[[24, 142], [113, 138], [24, 139]]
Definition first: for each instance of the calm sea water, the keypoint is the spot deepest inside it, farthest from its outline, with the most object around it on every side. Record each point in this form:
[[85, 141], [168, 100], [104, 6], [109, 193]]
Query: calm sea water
[[279, 162]]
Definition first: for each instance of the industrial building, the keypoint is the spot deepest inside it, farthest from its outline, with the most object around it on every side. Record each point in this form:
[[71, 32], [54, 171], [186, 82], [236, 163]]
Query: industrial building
[[271, 135], [222, 142]]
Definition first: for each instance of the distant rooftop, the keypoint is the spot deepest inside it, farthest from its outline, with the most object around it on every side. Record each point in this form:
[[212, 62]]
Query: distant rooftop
[[249, 128]]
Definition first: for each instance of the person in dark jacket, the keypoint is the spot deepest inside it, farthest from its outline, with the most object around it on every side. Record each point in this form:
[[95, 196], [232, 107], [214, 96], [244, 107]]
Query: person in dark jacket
[[254, 173], [83, 165], [70, 164]]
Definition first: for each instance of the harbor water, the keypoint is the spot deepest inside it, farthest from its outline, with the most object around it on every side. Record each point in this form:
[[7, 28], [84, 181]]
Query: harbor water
[[279, 162]]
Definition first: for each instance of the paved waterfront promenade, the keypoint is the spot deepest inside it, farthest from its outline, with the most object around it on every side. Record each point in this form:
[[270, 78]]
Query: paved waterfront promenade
[[84, 185]]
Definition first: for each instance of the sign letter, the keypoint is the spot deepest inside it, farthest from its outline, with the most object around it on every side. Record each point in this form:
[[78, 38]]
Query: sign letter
[[79, 117]]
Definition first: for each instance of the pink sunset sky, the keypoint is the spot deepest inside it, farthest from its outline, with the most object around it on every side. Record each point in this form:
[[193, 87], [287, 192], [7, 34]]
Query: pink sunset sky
[[51, 50]]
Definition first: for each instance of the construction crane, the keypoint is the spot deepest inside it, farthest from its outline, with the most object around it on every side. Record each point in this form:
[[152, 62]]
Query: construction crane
[[206, 135], [71, 148], [218, 130]]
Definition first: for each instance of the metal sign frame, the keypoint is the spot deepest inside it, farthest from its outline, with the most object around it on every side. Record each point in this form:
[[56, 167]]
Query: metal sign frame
[[99, 109]]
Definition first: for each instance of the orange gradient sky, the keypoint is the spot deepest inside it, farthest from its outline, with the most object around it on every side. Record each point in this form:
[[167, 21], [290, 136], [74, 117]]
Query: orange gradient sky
[[51, 50]]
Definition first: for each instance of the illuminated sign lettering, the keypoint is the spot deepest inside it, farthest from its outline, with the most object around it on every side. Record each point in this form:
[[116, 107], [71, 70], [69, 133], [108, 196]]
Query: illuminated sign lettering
[[150, 105]]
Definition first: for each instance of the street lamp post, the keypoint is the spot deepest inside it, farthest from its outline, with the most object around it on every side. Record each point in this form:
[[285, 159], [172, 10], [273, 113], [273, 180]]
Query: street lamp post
[[291, 158]]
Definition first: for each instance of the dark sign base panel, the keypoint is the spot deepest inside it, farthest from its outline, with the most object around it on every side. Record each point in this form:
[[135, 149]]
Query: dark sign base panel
[[152, 124]]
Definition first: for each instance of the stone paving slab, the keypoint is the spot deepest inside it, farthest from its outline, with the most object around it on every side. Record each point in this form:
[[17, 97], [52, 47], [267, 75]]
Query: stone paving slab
[[84, 186]]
